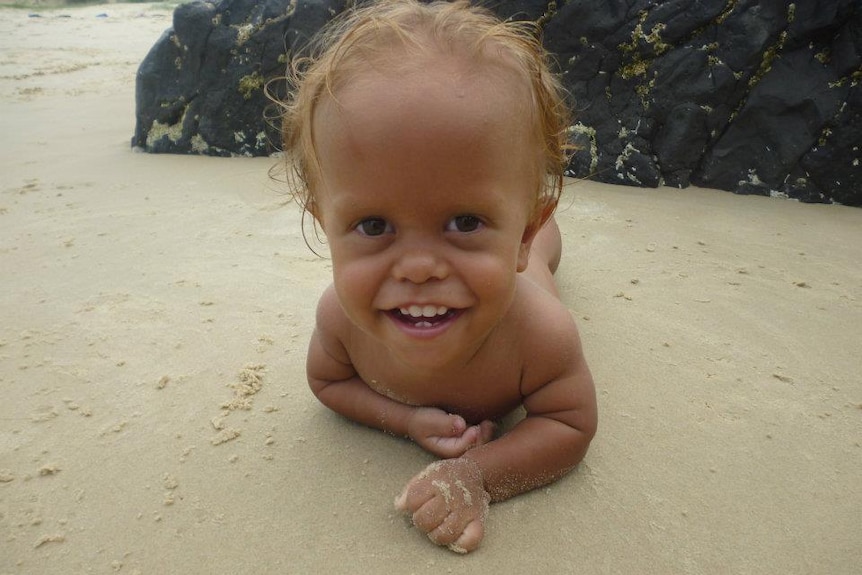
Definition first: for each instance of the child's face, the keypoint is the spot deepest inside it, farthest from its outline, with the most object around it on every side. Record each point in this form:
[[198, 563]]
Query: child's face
[[425, 195]]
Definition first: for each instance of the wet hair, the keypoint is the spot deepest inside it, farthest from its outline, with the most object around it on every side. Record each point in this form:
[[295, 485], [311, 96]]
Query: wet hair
[[363, 38]]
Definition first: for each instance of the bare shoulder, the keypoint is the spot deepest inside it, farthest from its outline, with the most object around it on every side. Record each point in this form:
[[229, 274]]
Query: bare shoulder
[[329, 313], [549, 339], [332, 327]]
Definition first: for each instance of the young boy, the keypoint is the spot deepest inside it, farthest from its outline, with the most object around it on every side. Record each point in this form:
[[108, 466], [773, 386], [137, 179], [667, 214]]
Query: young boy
[[429, 142]]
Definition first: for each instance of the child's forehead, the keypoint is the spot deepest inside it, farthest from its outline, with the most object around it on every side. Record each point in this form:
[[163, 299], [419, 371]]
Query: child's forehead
[[440, 124], [434, 81], [415, 109]]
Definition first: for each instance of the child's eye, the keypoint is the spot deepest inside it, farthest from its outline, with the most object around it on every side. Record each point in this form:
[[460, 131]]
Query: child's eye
[[464, 224], [373, 227]]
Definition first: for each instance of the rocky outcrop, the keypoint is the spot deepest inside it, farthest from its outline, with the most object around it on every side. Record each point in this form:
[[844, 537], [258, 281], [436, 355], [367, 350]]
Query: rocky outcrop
[[201, 88], [749, 96]]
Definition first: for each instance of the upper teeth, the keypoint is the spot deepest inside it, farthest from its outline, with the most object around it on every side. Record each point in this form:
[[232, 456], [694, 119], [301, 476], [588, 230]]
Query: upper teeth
[[424, 311]]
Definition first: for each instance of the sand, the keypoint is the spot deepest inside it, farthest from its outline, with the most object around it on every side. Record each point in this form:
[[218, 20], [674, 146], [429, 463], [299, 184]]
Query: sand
[[154, 313]]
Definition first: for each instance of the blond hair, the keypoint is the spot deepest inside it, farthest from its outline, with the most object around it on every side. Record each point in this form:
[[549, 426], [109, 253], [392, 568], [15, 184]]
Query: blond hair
[[360, 38]]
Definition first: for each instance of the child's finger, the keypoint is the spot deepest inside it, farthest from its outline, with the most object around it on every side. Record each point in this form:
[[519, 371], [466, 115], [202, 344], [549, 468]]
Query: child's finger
[[438, 423], [470, 538], [450, 529], [456, 446], [406, 503], [469, 436], [487, 431], [415, 494], [457, 425], [431, 515]]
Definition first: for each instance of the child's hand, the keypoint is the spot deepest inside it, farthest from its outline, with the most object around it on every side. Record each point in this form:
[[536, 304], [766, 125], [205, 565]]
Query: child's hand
[[446, 435], [449, 503]]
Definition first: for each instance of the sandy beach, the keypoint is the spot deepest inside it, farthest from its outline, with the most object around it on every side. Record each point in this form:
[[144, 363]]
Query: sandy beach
[[154, 315]]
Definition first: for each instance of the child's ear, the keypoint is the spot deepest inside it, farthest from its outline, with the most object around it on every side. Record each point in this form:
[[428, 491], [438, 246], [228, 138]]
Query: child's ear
[[541, 215], [312, 209], [524, 253]]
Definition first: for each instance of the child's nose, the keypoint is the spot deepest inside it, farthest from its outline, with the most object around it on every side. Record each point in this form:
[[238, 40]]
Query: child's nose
[[419, 264]]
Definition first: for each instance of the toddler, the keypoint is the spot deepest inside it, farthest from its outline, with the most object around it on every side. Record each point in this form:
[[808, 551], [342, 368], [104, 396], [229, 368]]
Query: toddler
[[428, 143]]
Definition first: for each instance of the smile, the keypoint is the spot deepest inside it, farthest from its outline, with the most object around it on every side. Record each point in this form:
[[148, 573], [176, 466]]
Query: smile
[[423, 316]]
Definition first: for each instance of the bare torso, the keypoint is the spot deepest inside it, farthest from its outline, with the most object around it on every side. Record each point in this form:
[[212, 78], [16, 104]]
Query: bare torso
[[488, 386]]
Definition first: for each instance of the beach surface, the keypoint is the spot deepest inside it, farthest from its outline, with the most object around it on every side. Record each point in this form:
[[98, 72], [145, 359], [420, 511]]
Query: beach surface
[[154, 315]]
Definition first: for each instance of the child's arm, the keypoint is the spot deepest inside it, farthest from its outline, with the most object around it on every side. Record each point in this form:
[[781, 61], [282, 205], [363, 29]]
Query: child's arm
[[448, 499], [334, 381], [552, 439]]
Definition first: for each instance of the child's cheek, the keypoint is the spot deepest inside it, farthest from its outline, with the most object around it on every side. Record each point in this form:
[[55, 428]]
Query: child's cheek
[[355, 285]]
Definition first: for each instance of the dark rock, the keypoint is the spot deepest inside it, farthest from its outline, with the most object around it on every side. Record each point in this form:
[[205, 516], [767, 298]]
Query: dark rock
[[751, 96], [201, 87], [680, 142], [739, 93], [520, 9], [780, 120], [833, 163]]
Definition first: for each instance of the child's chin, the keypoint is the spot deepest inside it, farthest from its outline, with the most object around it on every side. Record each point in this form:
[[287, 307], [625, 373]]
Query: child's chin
[[425, 352]]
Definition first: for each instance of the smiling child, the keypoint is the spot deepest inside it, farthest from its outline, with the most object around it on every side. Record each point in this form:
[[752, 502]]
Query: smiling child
[[429, 145]]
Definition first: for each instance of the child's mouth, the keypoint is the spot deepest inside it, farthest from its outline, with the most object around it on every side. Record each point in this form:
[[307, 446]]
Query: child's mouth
[[426, 316]]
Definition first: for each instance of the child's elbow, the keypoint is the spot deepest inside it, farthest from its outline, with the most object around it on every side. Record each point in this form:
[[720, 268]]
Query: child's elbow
[[317, 386], [590, 425], [585, 424], [587, 415]]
